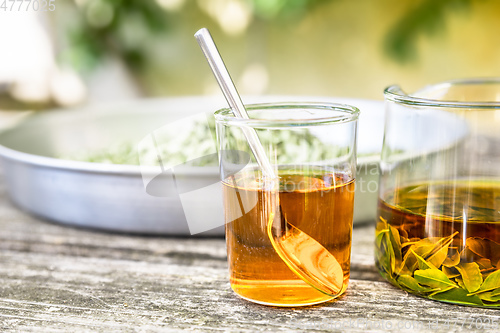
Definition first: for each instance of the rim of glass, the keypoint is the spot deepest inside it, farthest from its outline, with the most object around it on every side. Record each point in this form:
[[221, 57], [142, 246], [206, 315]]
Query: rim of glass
[[394, 93], [349, 113]]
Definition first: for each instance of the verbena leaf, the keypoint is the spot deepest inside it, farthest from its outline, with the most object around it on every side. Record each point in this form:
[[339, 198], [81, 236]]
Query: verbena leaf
[[433, 278], [438, 290], [482, 248], [428, 246], [489, 296], [404, 235], [391, 279], [424, 247], [459, 296], [380, 236], [383, 223], [496, 292], [471, 275], [439, 256], [390, 254], [443, 242], [478, 246], [490, 283], [409, 263], [494, 250], [469, 256], [422, 263], [460, 282], [405, 244], [386, 253], [451, 272], [484, 263], [385, 263], [412, 284], [493, 305], [453, 257], [396, 242], [486, 272]]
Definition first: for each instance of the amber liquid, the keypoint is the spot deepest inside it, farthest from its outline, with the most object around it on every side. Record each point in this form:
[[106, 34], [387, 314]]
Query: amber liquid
[[320, 205], [466, 214]]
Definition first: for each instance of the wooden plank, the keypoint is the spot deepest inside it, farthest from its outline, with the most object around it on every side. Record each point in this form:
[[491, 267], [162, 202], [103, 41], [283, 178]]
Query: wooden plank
[[55, 278], [45, 291]]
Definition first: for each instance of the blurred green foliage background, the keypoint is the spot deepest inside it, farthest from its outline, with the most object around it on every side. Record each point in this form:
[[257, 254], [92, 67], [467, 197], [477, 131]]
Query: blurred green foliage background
[[301, 47]]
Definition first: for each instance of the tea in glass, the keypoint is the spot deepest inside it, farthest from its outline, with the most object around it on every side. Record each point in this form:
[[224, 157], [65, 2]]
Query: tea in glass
[[320, 205], [286, 241]]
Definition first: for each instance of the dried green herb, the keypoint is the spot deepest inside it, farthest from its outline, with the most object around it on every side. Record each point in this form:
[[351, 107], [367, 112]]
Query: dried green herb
[[198, 139]]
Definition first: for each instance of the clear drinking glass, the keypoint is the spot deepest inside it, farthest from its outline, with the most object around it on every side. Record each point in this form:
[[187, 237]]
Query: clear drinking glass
[[312, 148], [438, 233]]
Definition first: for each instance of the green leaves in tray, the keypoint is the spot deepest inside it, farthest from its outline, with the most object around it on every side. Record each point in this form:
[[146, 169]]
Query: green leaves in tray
[[435, 268]]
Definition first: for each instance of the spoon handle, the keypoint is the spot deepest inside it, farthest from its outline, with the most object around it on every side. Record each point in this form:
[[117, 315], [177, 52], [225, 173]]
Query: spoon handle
[[216, 63]]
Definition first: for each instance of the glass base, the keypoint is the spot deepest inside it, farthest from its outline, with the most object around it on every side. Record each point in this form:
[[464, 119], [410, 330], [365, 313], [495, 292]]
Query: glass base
[[283, 293]]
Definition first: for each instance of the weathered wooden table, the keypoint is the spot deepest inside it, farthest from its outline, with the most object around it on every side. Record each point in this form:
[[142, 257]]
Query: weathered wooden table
[[55, 278]]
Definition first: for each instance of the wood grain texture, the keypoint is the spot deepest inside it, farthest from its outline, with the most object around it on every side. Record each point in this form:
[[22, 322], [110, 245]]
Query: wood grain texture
[[54, 278]]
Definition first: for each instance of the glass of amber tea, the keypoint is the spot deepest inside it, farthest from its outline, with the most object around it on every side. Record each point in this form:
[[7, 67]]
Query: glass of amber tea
[[302, 224], [438, 228]]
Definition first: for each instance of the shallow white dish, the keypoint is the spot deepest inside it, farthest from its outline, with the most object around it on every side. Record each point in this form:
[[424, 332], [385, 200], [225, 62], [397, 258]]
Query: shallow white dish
[[112, 197]]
